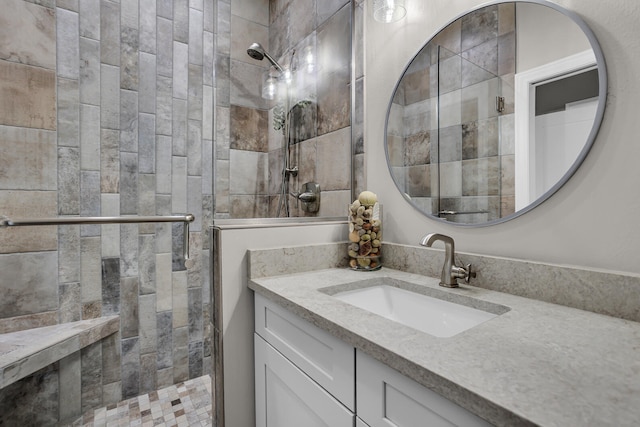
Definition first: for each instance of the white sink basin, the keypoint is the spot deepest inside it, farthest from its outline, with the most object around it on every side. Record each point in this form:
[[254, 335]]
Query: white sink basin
[[427, 314]]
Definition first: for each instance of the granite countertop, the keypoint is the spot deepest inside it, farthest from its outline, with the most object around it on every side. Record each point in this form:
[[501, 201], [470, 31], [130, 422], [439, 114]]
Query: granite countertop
[[537, 364]]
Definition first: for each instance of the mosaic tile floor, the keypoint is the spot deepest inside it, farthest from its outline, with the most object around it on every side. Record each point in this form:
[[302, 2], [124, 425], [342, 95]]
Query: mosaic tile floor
[[186, 404]]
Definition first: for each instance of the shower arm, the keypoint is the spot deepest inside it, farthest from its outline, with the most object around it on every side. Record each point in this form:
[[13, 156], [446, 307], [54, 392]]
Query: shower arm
[[79, 220]]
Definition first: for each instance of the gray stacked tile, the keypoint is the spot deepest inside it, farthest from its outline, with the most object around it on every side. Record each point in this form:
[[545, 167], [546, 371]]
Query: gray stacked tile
[[117, 120]]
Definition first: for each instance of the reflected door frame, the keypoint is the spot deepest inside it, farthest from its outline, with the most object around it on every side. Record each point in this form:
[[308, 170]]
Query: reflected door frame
[[524, 117]]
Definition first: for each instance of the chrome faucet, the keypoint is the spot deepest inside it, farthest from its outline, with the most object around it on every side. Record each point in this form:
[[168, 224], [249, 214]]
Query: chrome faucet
[[450, 271]]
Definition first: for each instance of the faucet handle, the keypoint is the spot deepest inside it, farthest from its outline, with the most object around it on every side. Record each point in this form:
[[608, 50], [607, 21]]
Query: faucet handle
[[463, 272], [468, 273]]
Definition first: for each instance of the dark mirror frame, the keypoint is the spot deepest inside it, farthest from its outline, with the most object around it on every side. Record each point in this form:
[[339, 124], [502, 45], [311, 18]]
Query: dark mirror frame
[[602, 96]]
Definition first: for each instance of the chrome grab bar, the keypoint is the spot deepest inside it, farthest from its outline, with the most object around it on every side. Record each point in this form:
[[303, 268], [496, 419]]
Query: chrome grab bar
[[80, 220]]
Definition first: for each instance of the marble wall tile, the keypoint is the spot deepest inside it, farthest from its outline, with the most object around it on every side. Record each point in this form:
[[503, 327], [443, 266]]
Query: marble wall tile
[[417, 149], [181, 20], [164, 49], [248, 206], [110, 286], [507, 175], [209, 7], [111, 355], [244, 32], [29, 321], [480, 139], [32, 94], [334, 60], [31, 401], [195, 92], [478, 27], [90, 19], [223, 28], [451, 180], [91, 376], [249, 172], [180, 126], [110, 206], [180, 69], [180, 354], [129, 15], [179, 184], [334, 202], [195, 36], [163, 164], [164, 8], [180, 299], [109, 32], [418, 180], [128, 183], [223, 82], [249, 129], [165, 341], [90, 138], [109, 97], [68, 181], [195, 315], [129, 250], [146, 142], [112, 393], [68, 4], [130, 367], [128, 120], [148, 323], [195, 359], [39, 22], [70, 391], [164, 105], [326, 9], [165, 377], [195, 274], [90, 262], [28, 159], [36, 268], [89, 74], [68, 112], [334, 160], [194, 149], [147, 27], [246, 85], [26, 204], [91, 310], [147, 264], [70, 297], [481, 177], [129, 319], [147, 83], [67, 47], [222, 124], [148, 379], [163, 282], [208, 44], [109, 161], [480, 63]]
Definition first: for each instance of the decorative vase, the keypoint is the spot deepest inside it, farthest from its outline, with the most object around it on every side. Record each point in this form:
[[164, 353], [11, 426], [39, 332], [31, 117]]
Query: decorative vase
[[365, 237]]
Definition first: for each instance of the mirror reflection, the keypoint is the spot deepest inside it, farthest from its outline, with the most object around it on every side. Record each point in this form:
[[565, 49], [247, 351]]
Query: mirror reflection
[[494, 113]]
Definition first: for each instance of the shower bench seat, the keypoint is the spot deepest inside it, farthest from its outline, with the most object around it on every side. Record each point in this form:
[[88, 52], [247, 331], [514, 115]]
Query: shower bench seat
[[24, 352]]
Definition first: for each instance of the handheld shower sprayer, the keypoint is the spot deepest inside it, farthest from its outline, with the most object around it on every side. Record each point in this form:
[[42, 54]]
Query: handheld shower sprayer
[[257, 52]]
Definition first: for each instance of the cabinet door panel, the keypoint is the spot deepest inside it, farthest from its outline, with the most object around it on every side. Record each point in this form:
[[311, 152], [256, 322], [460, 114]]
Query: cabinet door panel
[[325, 358], [387, 398], [285, 396]]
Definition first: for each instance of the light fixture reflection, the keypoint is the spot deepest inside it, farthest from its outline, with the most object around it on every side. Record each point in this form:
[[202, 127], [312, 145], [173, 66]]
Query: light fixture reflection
[[269, 83], [388, 10]]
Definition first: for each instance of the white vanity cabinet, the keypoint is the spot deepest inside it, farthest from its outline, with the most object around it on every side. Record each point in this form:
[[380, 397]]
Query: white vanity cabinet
[[307, 377], [303, 375], [387, 398]]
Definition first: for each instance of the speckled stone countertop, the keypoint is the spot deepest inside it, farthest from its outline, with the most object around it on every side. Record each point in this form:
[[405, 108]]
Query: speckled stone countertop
[[537, 364]]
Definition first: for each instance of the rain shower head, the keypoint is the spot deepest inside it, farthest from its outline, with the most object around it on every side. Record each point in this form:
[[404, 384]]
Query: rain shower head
[[257, 52]]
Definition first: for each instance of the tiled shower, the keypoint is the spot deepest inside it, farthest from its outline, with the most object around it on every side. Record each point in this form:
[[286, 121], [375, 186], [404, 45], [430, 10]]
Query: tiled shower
[[249, 155], [148, 107], [106, 109]]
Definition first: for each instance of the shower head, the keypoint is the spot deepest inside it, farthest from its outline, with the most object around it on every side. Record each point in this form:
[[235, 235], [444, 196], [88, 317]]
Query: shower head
[[257, 52]]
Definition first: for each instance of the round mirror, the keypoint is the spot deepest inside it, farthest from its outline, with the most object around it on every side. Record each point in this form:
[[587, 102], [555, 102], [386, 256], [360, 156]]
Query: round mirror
[[496, 112]]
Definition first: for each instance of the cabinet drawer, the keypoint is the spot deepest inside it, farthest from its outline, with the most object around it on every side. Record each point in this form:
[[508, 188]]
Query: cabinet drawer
[[286, 397], [387, 398], [325, 358]]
